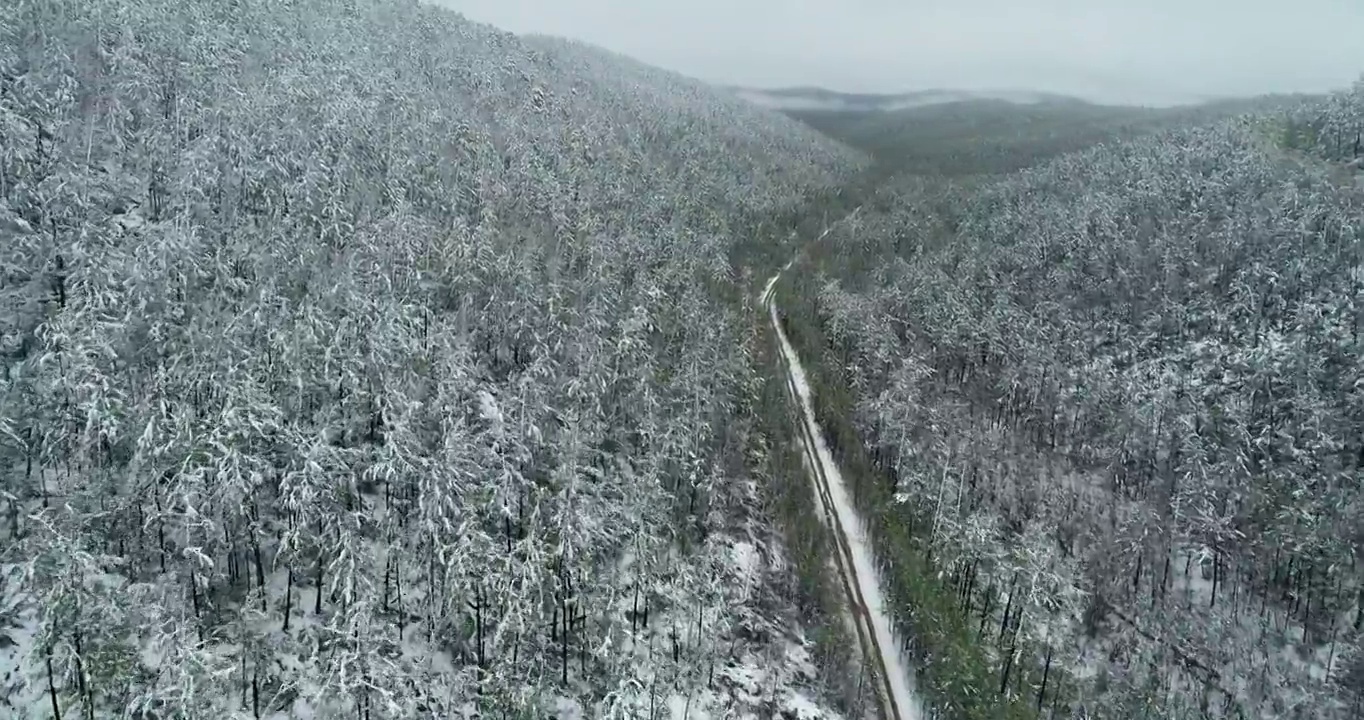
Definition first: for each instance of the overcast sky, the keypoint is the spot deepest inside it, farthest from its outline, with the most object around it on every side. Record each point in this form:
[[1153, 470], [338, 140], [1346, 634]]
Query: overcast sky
[[1143, 50]]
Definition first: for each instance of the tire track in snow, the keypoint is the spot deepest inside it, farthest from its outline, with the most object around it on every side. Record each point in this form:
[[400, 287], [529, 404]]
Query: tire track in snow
[[857, 611], [861, 582]]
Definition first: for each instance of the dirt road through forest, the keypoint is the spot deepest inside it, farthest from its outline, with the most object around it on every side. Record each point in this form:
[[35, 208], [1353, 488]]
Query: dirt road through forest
[[853, 555]]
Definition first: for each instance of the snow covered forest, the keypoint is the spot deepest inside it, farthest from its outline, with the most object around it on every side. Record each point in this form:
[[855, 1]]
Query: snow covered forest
[[363, 361], [1112, 405]]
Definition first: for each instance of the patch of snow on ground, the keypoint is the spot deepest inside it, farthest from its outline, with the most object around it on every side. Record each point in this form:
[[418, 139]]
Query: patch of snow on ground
[[488, 409], [802, 708], [567, 709], [746, 560], [18, 629]]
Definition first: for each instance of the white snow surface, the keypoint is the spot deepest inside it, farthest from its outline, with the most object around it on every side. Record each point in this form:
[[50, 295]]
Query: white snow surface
[[899, 681], [18, 630], [488, 409]]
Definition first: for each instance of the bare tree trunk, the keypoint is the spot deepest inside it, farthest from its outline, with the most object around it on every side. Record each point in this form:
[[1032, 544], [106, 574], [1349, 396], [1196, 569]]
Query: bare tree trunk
[[1008, 608], [288, 597], [317, 580], [260, 572], [52, 690], [1046, 672]]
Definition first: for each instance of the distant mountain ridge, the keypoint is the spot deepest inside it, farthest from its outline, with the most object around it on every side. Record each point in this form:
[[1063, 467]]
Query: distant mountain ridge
[[817, 98]]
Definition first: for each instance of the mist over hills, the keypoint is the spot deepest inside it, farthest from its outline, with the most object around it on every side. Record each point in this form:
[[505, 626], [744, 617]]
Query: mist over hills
[[959, 132], [817, 98]]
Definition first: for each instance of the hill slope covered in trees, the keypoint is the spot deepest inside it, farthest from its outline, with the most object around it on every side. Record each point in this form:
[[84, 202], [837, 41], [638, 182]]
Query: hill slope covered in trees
[[989, 136], [363, 361], [1116, 399]]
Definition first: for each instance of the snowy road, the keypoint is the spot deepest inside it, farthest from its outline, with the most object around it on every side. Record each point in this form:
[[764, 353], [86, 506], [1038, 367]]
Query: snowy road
[[853, 555]]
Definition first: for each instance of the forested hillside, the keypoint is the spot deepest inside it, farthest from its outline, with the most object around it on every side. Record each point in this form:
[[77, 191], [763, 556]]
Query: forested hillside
[[970, 137], [363, 361], [1117, 400]]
